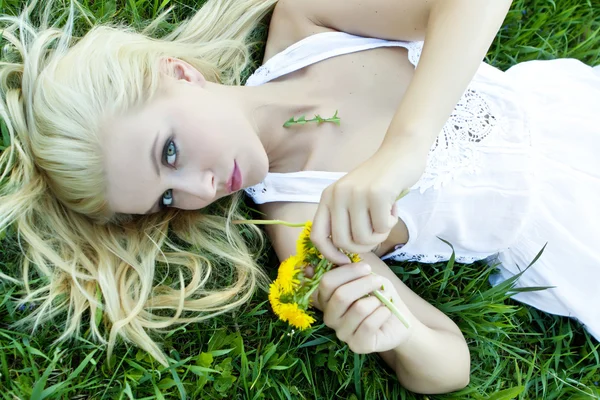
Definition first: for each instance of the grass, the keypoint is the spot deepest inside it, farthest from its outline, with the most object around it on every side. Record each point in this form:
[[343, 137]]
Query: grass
[[517, 352]]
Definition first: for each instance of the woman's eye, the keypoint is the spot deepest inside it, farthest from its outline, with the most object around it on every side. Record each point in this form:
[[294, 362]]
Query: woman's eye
[[171, 153], [167, 198]]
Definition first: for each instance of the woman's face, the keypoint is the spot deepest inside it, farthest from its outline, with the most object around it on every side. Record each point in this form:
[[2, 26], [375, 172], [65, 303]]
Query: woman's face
[[187, 148]]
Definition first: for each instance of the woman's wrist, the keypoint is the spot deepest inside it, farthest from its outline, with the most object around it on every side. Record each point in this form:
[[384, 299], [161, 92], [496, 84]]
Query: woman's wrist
[[433, 361], [419, 337], [409, 139]]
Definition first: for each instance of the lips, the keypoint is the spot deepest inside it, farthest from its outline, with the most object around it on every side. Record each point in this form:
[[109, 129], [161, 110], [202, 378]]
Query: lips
[[235, 181]]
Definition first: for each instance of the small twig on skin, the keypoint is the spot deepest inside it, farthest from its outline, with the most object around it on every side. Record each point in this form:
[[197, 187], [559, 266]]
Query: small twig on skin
[[318, 119]]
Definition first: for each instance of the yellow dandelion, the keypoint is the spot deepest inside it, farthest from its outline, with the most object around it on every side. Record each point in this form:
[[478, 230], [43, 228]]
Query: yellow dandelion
[[354, 257], [286, 275], [295, 316], [274, 296], [304, 245]]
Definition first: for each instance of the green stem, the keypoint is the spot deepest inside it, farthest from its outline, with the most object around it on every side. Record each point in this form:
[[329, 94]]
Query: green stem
[[268, 222], [402, 194], [320, 270], [320, 120], [392, 308]]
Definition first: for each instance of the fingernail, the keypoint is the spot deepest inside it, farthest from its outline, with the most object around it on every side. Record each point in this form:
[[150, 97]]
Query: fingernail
[[367, 268]]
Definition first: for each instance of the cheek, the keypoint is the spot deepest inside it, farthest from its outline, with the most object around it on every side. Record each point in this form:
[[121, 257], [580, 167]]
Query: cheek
[[190, 203]]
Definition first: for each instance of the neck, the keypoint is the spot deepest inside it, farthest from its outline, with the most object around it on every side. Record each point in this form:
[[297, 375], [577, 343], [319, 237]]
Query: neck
[[268, 107]]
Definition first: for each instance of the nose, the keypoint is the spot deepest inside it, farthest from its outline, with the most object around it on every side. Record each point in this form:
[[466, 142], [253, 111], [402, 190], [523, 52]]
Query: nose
[[195, 191]]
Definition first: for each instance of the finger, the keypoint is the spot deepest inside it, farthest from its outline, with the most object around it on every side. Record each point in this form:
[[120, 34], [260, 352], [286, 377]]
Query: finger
[[382, 218], [340, 276], [342, 230], [344, 296], [360, 225], [360, 310], [340, 225], [309, 271], [316, 300], [320, 235], [370, 326], [395, 211]]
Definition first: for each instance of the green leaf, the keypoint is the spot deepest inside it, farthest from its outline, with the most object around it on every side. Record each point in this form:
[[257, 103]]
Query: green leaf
[[167, 383], [218, 353], [507, 394], [289, 123], [38, 390], [99, 311], [201, 371], [205, 359], [128, 392], [81, 366], [358, 364], [5, 135], [224, 383], [316, 342], [449, 266]]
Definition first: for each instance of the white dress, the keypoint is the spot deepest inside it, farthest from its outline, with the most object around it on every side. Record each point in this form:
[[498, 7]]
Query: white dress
[[516, 167]]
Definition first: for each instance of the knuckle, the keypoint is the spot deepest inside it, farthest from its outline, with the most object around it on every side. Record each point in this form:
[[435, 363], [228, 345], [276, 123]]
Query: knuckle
[[343, 244], [362, 307], [365, 239], [327, 193], [342, 189], [342, 336], [338, 297], [370, 326], [375, 192], [325, 286], [357, 348], [327, 320]]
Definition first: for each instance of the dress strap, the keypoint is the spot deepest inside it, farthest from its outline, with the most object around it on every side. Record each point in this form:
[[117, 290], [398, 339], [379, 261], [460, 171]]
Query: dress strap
[[299, 187], [322, 46]]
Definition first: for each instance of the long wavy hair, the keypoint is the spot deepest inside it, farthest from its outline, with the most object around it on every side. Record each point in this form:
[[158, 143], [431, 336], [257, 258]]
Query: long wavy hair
[[80, 260]]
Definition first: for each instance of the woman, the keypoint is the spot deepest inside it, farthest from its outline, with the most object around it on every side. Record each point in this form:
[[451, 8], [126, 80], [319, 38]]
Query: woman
[[110, 131]]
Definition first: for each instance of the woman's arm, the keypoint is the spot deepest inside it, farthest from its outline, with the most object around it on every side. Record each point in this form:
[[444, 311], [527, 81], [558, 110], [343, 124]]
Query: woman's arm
[[434, 358], [457, 35]]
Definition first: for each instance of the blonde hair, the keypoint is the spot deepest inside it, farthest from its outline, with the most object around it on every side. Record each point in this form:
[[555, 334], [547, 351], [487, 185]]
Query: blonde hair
[[55, 92]]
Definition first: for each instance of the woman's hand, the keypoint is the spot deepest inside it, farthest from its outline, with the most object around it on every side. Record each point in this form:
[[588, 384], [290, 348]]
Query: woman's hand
[[358, 212], [360, 319]]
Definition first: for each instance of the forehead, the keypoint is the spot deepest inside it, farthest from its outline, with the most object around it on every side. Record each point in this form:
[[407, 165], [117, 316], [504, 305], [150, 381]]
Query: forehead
[[126, 142]]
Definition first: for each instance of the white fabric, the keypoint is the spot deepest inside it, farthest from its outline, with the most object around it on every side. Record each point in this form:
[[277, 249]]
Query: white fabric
[[514, 168]]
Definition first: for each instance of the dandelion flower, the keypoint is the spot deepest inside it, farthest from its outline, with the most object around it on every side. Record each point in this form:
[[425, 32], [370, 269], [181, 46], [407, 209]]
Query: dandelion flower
[[295, 316], [304, 245], [287, 274], [275, 296], [354, 257]]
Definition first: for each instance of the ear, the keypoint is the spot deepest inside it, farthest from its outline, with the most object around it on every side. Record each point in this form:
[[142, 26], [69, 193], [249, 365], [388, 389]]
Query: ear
[[182, 70]]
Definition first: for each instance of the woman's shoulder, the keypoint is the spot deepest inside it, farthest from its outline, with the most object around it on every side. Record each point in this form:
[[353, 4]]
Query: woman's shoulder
[[289, 24]]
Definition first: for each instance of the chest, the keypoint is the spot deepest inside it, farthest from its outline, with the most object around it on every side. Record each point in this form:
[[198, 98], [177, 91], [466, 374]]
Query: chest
[[365, 89]]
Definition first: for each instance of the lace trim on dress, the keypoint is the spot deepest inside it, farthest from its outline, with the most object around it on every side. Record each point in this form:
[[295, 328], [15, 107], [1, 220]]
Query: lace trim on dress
[[430, 258], [258, 193], [455, 149]]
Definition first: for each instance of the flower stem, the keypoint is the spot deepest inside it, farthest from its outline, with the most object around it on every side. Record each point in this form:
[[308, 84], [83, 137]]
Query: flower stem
[[402, 194], [267, 222], [392, 308], [320, 270]]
